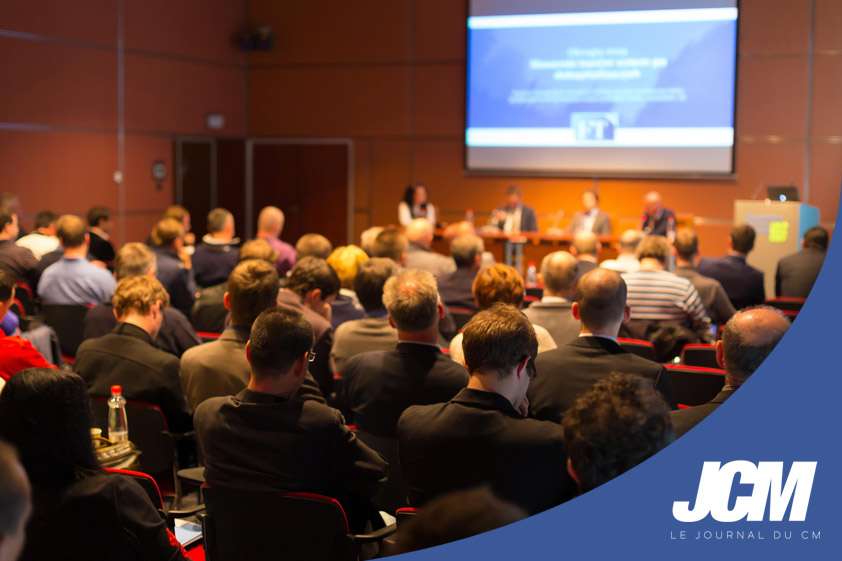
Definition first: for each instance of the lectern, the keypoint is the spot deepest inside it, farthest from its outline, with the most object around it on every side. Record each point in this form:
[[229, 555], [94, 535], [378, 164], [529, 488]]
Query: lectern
[[779, 227]]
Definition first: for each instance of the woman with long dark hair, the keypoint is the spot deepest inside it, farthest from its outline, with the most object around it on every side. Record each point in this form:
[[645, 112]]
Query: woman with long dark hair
[[415, 205], [80, 511]]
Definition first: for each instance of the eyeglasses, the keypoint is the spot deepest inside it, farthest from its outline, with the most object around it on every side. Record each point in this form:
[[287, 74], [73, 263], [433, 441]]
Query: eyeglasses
[[311, 356]]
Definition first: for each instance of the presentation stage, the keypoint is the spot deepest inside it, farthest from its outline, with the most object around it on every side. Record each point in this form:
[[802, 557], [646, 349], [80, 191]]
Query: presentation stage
[[608, 90]]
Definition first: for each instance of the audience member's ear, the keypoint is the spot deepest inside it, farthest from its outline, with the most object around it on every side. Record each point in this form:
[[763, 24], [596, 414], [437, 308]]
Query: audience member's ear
[[572, 471], [226, 299], [441, 310], [627, 314], [720, 354], [575, 309], [248, 352], [402, 262], [392, 323]]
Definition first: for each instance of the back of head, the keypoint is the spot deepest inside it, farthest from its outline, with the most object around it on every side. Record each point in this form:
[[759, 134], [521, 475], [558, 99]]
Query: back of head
[[45, 219], [252, 288], [367, 238], [134, 259], [585, 243], [14, 496], [6, 215], [166, 231], [513, 191], [465, 248], [345, 260], [370, 280], [390, 243], [686, 244], [498, 283], [559, 270], [218, 218], [7, 286], [137, 295], [71, 231], [748, 338], [455, 229], [654, 247], [313, 245], [257, 249], [96, 214], [311, 273], [617, 424], [816, 238], [497, 339], [629, 240], [270, 220], [411, 299], [46, 415], [742, 238], [176, 212], [279, 336], [601, 298], [420, 231]]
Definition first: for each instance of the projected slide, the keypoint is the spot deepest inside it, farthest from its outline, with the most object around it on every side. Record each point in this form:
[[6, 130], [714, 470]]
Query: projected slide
[[642, 91]]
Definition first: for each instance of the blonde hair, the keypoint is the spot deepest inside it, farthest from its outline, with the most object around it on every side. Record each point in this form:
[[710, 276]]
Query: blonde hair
[[346, 260], [138, 294]]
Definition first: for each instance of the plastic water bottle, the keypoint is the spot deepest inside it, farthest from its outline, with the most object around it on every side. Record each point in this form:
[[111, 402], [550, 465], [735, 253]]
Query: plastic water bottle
[[118, 425], [469, 216], [671, 229], [531, 274]]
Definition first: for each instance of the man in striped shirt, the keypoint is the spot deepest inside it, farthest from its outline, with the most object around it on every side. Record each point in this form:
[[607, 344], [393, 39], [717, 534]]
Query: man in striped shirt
[[656, 295]]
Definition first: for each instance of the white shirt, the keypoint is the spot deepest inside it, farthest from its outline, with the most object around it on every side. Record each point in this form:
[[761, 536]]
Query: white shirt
[[39, 244]]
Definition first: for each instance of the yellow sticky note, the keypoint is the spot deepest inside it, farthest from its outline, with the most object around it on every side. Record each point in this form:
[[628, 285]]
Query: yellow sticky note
[[778, 231]]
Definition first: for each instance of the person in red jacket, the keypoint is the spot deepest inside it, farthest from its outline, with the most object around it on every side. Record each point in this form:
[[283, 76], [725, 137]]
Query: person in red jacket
[[16, 354]]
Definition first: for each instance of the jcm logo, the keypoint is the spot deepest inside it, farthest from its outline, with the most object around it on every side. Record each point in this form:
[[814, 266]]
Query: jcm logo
[[769, 487]]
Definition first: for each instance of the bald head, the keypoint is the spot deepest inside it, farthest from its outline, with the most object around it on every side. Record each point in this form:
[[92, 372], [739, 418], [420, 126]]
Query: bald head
[[558, 271], [420, 231], [270, 222], [652, 203], [748, 338], [601, 302], [585, 243], [629, 240], [458, 229]]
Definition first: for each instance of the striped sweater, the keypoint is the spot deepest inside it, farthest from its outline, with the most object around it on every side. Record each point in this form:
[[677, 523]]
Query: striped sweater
[[664, 296]]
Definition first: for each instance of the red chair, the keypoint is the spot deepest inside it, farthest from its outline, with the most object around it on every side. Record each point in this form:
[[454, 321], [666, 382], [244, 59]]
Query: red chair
[[405, 514], [25, 299], [154, 492], [639, 347], [302, 526], [699, 355], [391, 496], [786, 303], [694, 385], [207, 337]]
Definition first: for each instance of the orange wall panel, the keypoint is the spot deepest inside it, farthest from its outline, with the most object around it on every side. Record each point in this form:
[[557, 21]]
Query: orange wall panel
[[772, 96], [774, 26], [828, 24], [362, 174], [826, 178], [441, 31], [827, 95], [389, 178], [142, 193], [79, 20], [438, 108], [138, 224]]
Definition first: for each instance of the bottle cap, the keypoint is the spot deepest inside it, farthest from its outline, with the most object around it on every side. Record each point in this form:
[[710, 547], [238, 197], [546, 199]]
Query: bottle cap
[[116, 389]]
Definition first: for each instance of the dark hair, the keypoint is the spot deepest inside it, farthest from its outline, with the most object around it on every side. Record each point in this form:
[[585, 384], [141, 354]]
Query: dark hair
[[513, 190], [279, 336], [96, 214], [6, 216], [14, 492], [621, 421], [742, 238], [311, 273], [7, 286], [745, 351], [313, 245], [497, 339], [816, 237], [218, 218], [409, 194], [44, 218], [46, 414], [390, 243], [252, 288], [166, 231], [601, 296], [368, 284], [686, 243]]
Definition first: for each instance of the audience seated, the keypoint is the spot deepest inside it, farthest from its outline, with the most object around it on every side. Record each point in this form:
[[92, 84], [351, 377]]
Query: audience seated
[[500, 283], [43, 239], [174, 264], [742, 282], [482, 435], [311, 287], [616, 425], [182, 216], [797, 273], [559, 271], [657, 296], [572, 369], [128, 356], [392, 244], [247, 439], [16, 353], [456, 288], [345, 261], [312, 245], [367, 238], [16, 261], [15, 503], [99, 228], [73, 279], [270, 224], [373, 332], [686, 248], [220, 367], [456, 229], [748, 338], [626, 260], [216, 256], [78, 510], [380, 385], [585, 249], [135, 259], [419, 255]]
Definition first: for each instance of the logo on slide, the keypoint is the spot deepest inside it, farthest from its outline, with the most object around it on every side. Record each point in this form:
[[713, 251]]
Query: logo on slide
[[594, 126], [769, 488]]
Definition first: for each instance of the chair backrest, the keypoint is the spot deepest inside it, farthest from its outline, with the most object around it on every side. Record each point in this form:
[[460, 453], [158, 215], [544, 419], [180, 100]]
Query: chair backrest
[[146, 427], [392, 494], [699, 354], [405, 514], [250, 524], [461, 316], [147, 482], [695, 385], [786, 303], [639, 347], [66, 319], [207, 336], [25, 298]]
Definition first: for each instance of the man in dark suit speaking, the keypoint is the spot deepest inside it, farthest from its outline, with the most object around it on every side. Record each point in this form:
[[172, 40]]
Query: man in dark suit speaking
[[515, 216], [570, 370]]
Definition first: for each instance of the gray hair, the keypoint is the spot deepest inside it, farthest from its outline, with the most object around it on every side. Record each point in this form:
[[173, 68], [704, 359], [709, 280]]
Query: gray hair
[[411, 299], [464, 249]]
